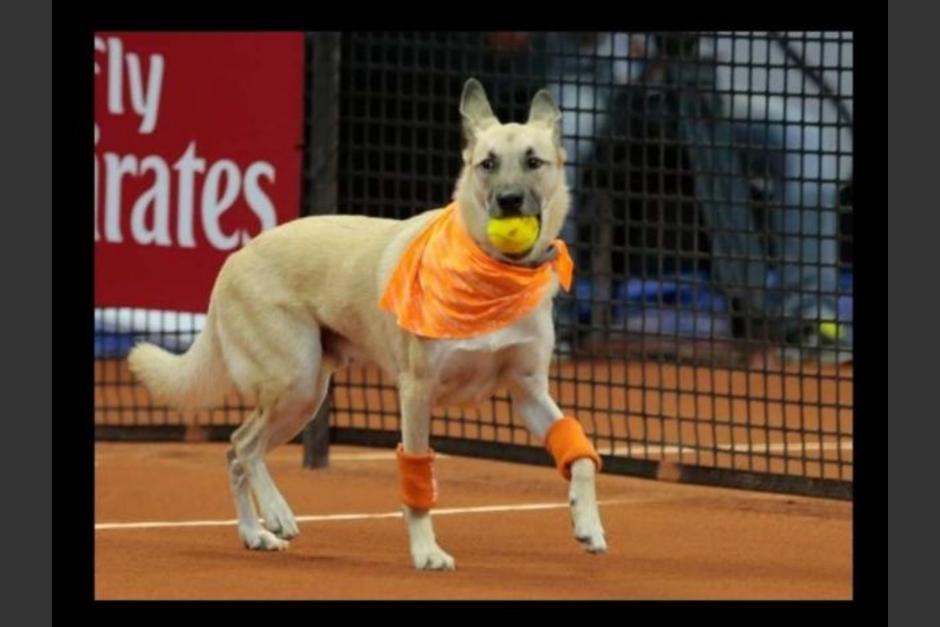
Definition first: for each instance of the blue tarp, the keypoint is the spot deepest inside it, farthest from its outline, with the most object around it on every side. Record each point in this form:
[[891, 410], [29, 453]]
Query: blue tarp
[[684, 306]]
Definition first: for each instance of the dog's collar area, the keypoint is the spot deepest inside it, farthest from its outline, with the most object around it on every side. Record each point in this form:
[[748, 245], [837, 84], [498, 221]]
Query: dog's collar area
[[548, 255]]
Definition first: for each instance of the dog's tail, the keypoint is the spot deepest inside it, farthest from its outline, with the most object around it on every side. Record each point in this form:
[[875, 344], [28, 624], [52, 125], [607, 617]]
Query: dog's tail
[[194, 379]]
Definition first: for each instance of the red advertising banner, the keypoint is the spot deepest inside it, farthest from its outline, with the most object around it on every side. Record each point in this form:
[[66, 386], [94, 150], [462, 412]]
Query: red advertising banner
[[198, 148]]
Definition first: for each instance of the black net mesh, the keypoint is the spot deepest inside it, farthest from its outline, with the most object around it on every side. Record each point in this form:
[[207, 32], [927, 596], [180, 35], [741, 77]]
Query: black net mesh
[[710, 323]]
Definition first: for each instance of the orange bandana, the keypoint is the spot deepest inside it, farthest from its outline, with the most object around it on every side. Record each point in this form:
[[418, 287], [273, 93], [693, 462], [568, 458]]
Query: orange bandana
[[446, 287]]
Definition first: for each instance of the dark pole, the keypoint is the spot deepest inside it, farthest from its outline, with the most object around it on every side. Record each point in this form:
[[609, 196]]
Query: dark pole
[[322, 111]]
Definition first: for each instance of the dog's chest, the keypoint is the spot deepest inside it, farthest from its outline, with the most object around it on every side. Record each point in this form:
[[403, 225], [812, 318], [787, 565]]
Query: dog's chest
[[469, 371]]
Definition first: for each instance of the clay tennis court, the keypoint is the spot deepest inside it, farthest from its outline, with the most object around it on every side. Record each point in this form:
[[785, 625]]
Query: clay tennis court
[[667, 541], [165, 518]]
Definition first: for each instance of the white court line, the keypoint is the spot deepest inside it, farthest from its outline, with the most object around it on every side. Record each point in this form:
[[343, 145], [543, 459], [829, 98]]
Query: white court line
[[485, 509], [355, 457], [793, 447], [639, 450], [654, 449], [368, 457], [845, 445]]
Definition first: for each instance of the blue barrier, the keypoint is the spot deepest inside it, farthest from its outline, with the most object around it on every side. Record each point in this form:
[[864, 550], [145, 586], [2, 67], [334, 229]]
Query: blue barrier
[[686, 305]]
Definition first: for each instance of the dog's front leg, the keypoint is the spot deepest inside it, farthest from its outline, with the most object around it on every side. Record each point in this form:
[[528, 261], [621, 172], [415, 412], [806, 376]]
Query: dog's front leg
[[574, 456], [416, 470], [585, 517]]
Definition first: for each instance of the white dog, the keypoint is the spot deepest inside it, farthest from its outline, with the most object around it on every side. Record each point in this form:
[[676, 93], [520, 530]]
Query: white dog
[[302, 300]]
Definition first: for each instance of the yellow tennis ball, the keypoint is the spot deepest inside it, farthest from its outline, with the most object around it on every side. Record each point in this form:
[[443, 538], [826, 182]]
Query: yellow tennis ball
[[513, 235], [830, 329]]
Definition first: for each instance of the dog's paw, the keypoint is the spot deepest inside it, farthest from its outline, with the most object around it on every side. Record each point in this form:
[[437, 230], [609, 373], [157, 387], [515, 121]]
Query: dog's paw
[[262, 540], [585, 518], [588, 530], [592, 541], [280, 521], [432, 558]]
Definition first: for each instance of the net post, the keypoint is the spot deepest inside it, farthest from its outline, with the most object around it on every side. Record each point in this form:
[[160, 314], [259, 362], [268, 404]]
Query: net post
[[321, 104]]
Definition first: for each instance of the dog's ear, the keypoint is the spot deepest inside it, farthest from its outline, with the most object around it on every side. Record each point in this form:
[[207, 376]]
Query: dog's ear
[[544, 111], [475, 110]]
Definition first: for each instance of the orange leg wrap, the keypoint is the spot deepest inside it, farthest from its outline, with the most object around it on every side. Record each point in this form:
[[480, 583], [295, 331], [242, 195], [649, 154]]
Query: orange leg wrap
[[566, 442], [416, 475]]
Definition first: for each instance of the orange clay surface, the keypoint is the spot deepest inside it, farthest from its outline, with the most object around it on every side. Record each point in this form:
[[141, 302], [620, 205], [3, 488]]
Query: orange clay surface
[[667, 541]]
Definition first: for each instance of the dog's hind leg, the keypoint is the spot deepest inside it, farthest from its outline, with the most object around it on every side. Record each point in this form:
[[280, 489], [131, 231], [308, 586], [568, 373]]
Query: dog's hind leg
[[250, 530], [416, 426], [288, 392], [278, 423], [283, 426]]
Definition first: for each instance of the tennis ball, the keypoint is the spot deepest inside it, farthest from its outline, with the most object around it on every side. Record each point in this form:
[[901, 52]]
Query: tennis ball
[[513, 235], [830, 329]]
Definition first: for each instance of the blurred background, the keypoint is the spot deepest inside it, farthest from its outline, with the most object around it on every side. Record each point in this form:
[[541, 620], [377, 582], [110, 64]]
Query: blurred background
[[710, 324]]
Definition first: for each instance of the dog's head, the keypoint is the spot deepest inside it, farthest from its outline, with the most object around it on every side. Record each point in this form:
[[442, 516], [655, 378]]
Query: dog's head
[[512, 169]]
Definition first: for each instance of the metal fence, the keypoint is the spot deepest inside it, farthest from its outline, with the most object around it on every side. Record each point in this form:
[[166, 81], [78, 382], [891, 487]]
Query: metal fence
[[708, 337]]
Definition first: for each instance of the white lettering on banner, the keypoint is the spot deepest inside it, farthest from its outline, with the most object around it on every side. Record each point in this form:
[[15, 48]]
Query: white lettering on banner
[[218, 193], [97, 137], [146, 104], [99, 47], [257, 199], [115, 77], [158, 196], [187, 166], [213, 206], [151, 212], [115, 169]]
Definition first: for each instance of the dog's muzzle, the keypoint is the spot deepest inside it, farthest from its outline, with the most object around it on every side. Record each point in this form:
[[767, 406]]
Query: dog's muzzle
[[510, 204]]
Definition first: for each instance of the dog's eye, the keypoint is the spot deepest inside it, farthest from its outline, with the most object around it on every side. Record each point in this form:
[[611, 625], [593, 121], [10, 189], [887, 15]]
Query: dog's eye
[[534, 163], [488, 164]]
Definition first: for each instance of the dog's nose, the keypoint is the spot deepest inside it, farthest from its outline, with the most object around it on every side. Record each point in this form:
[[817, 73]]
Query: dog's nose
[[510, 202]]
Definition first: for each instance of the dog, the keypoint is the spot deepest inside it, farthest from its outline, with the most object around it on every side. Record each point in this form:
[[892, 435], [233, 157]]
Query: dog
[[299, 302]]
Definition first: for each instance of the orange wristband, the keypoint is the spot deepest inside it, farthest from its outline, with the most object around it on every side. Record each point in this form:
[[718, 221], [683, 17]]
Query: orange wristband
[[416, 475], [566, 442]]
